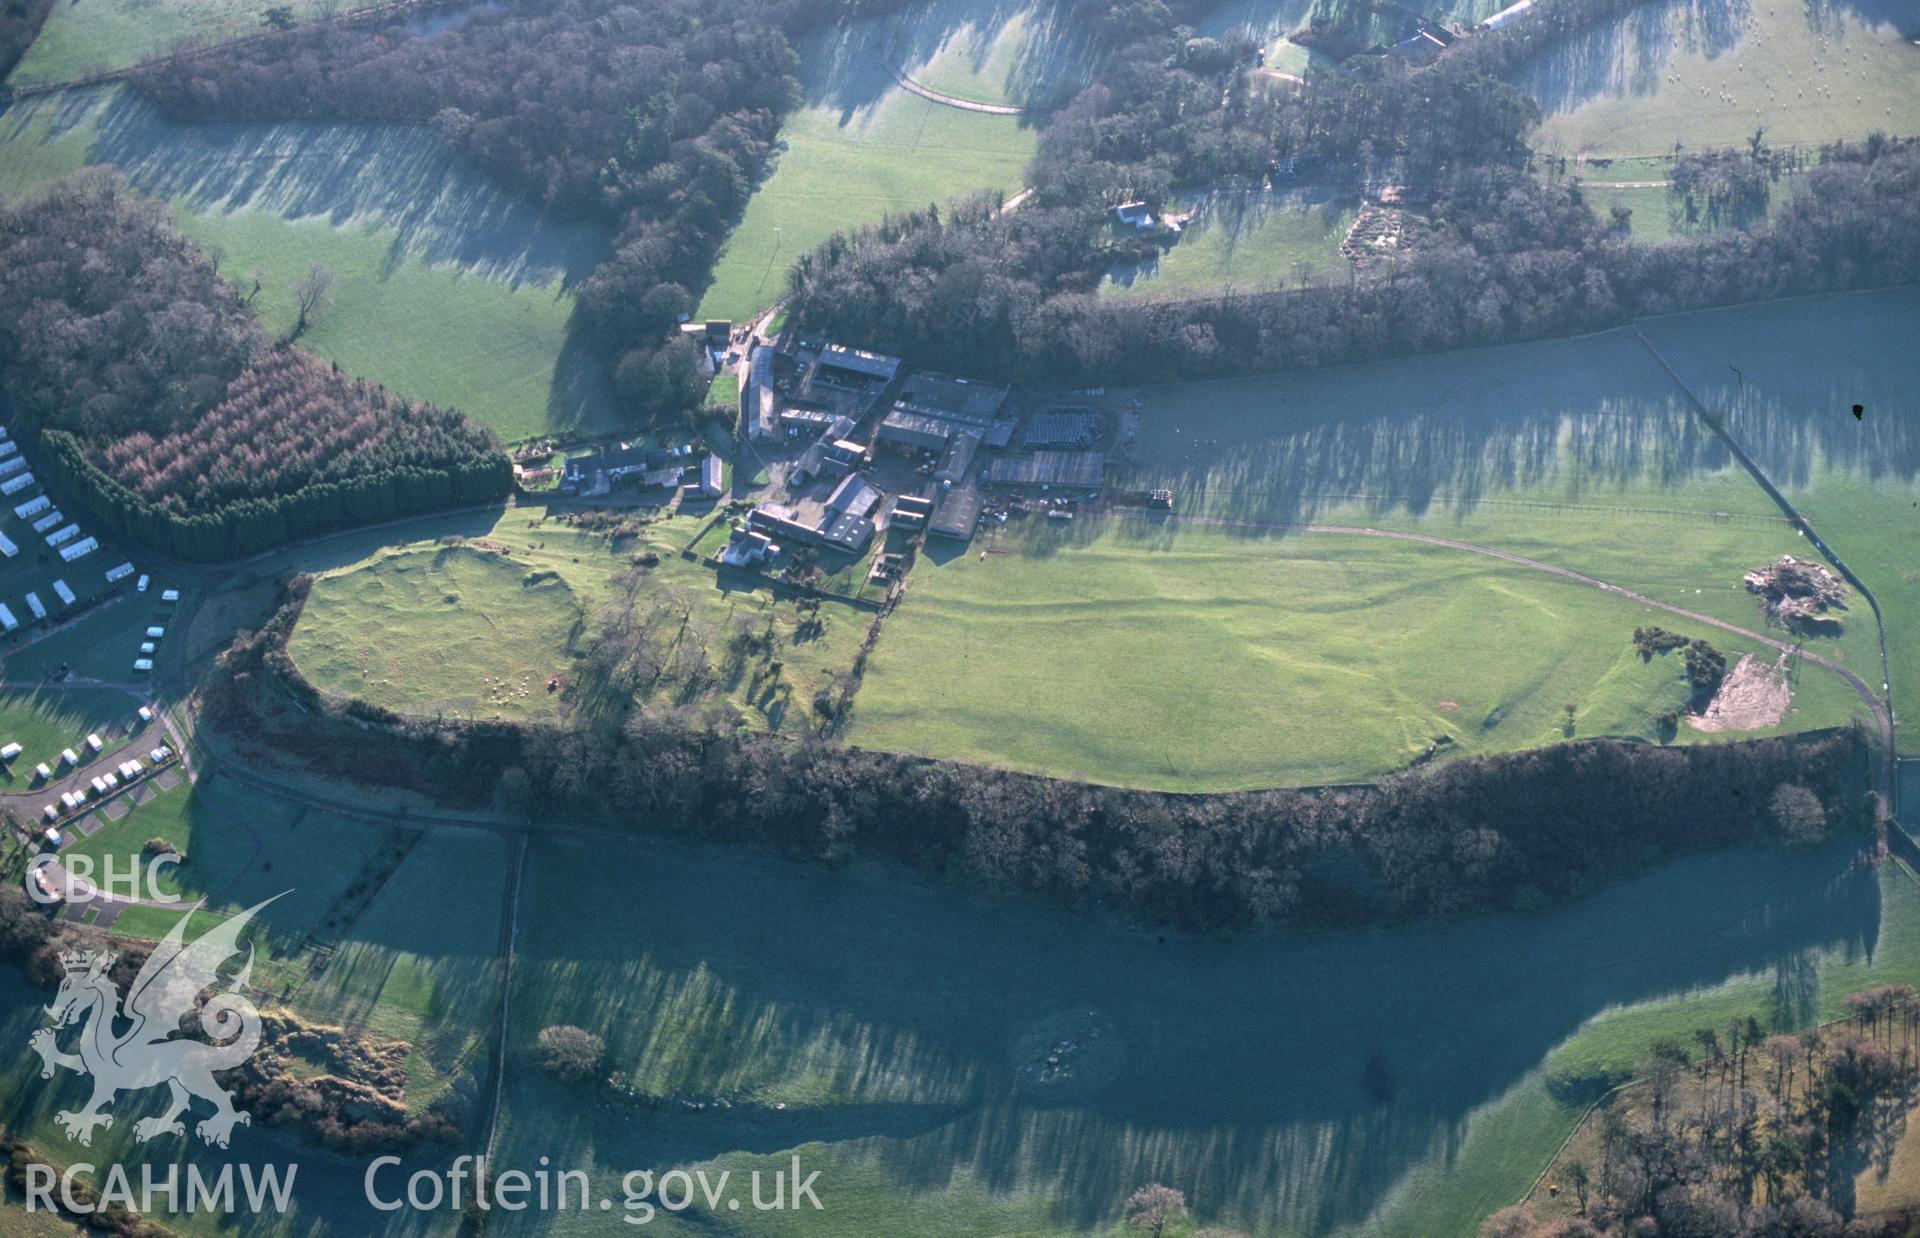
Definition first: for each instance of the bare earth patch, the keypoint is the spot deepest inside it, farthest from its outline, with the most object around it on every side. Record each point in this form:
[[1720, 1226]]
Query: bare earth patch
[[1753, 695], [1447, 706]]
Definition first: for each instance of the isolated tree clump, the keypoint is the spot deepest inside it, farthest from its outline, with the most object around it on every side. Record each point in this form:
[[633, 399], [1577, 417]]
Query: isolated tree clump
[[571, 1052], [1151, 1209], [1799, 814]]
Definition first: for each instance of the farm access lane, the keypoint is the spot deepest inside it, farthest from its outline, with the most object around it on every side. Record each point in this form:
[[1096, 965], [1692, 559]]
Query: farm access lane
[[1882, 716]]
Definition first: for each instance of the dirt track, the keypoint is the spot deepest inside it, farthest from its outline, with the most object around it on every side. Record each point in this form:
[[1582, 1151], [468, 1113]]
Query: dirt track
[[965, 105]]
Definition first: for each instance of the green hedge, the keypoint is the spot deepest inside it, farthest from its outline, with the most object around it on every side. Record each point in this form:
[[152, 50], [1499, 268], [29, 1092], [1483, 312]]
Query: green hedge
[[252, 525]]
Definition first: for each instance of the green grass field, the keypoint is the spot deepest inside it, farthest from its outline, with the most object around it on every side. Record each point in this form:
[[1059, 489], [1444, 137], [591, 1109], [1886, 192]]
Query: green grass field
[[991, 53], [83, 37], [446, 289], [1709, 74], [1246, 242], [1788, 375], [451, 630], [46, 719], [860, 146], [479, 630], [1336, 654], [884, 1045], [1192, 658]]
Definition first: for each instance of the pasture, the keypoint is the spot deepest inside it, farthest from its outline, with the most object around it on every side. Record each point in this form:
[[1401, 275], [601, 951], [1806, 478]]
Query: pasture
[[1709, 72], [477, 630], [1245, 241], [446, 290], [451, 630], [859, 146], [43, 720], [1191, 658], [892, 1044], [1023, 55], [1255, 654], [1787, 375], [83, 37]]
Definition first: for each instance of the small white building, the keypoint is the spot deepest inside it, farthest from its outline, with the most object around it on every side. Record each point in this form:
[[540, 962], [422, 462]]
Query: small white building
[[93, 742], [65, 594], [7, 547], [33, 507], [14, 485], [79, 550], [9, 751], [49, 520], [119, 573], [6, 618], [35, 605]]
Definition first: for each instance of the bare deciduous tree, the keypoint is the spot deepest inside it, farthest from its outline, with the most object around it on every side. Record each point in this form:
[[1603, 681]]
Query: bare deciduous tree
[[311, 292], [1152, 1208]]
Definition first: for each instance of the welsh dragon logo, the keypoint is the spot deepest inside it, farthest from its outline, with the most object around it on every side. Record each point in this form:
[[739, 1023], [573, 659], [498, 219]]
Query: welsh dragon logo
[[151, 1050]]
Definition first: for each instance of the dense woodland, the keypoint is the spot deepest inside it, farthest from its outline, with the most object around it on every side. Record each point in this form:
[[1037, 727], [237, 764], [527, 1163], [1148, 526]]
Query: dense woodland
[[1500, 257], [1470, 835], [162, 402], [1492, 254]]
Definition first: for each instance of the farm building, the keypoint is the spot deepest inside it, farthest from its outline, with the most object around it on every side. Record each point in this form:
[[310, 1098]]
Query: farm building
[[706, 481], [1068, 470], [915, 430], [801, 421], [748, 547], [910, 512], [950, 398], [842, 455], [604, 467], [1074, 429], [762, 400], [958, 514], [958, 458], [854, 496], [843, 522], [852, 369], [932, 408]]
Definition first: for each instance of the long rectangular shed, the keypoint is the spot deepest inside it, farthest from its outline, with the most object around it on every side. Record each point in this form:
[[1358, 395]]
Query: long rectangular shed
[[1063, 469]]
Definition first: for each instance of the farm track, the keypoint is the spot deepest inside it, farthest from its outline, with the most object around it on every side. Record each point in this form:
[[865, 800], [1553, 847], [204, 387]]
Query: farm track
[[1882, 717], [965, 105]]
